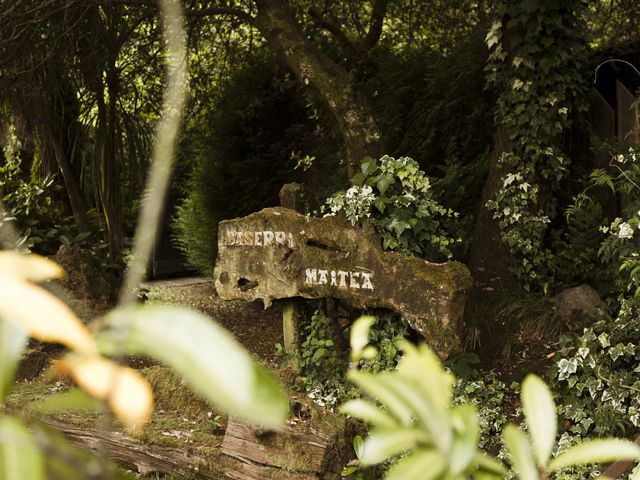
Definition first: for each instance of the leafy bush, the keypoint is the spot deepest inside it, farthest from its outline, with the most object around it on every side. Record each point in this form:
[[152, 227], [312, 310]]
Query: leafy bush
[[396, 196], [30, 205], [412, 419], [238, 161]]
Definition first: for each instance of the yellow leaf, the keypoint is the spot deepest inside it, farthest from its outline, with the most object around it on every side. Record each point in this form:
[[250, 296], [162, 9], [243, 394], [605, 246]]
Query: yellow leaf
[[29, 267], [127, 393], [42, 315]]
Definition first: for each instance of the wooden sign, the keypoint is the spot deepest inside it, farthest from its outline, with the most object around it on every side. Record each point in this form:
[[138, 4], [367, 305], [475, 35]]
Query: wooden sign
[[278, 253]]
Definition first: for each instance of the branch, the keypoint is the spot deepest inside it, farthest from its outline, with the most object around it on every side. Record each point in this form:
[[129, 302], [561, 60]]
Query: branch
[[331, 26], [235, 12], [375, 24], [205, 12]]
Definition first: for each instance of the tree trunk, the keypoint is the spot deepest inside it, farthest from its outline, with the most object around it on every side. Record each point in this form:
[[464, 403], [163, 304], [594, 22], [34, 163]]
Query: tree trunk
[[490, 260], [78, 208], [354, 118]]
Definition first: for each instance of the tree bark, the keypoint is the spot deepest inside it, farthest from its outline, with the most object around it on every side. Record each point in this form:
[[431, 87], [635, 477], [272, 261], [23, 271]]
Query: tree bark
[[78, 208], [354, 117], [490, 260]]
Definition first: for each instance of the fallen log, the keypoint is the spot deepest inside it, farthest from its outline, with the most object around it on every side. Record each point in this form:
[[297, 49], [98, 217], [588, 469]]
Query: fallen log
[[144, 459]]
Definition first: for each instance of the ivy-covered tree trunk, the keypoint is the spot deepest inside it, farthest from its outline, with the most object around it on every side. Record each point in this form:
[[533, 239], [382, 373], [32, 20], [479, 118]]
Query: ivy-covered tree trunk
[[535, 63], [336, 86]]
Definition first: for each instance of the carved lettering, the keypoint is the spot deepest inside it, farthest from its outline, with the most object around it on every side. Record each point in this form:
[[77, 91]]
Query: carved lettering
[[248, 238], [268, 238], [238, 239], [343, 278], [281, 237], [258, 240], [322, 280]]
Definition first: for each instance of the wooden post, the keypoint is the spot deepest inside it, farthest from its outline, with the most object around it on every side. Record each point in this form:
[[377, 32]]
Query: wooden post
[[292, 196]]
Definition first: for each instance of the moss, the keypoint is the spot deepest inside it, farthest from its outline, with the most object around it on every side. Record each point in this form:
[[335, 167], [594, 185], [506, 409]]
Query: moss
[[172, 394]]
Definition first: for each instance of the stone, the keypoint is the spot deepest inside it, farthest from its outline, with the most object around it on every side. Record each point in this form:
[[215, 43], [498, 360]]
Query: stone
[[581, 302], [278, 253]]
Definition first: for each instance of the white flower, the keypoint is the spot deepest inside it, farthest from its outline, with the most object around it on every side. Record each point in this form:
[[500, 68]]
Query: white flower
[[620, 158], [625, 230]]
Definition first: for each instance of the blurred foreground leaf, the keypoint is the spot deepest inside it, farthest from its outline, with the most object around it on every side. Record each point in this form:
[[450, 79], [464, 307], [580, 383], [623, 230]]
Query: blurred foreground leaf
[[12, 341], [20, 458], [28, 267], [204, 354], [127, 393], [43, 315]]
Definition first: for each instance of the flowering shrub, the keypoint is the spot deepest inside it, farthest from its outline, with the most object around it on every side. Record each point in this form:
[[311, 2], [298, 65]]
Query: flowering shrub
[[396, 196]]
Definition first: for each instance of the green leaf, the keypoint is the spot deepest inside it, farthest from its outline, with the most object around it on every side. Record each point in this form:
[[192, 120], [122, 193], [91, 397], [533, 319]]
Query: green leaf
[[385, 182], [464, 420], [541, 417], [71, 400], [204, 354], [13, 339], [420, 465], [358, 445], [378, 388], [381, 445], [604, 450], [359, 337], [520, 452], [368, 413], [487, 464], [20, 458]]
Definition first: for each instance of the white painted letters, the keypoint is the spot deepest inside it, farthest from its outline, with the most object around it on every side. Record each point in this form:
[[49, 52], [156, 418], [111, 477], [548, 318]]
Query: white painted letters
[[266, 238], [356, 280]]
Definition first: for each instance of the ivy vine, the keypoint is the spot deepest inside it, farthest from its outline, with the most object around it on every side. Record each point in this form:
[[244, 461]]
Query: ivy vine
[[535, 62]]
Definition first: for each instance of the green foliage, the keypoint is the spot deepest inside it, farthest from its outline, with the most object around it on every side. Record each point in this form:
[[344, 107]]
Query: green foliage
[[411, 418], [535, 63], [396, 196], [30, 205], [488, 394], [236, 162], [321, 366], [436, 108], [597, 375]]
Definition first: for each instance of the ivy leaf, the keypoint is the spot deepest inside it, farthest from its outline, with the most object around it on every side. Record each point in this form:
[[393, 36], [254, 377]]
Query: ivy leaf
[[385, 182]]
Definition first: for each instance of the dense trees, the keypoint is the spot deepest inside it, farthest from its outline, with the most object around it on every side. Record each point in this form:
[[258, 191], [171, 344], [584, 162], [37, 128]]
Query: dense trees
[[81, 80]]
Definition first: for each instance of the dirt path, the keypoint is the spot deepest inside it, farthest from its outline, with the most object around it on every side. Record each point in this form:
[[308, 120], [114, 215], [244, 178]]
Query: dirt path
[[257, 329]]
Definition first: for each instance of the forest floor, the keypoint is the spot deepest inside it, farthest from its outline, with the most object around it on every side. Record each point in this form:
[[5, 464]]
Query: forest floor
[[181, 420], [184, 428]]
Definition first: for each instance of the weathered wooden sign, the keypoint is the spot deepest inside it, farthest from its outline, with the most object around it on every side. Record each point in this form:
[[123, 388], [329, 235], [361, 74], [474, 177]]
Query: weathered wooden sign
[[278, 253]]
